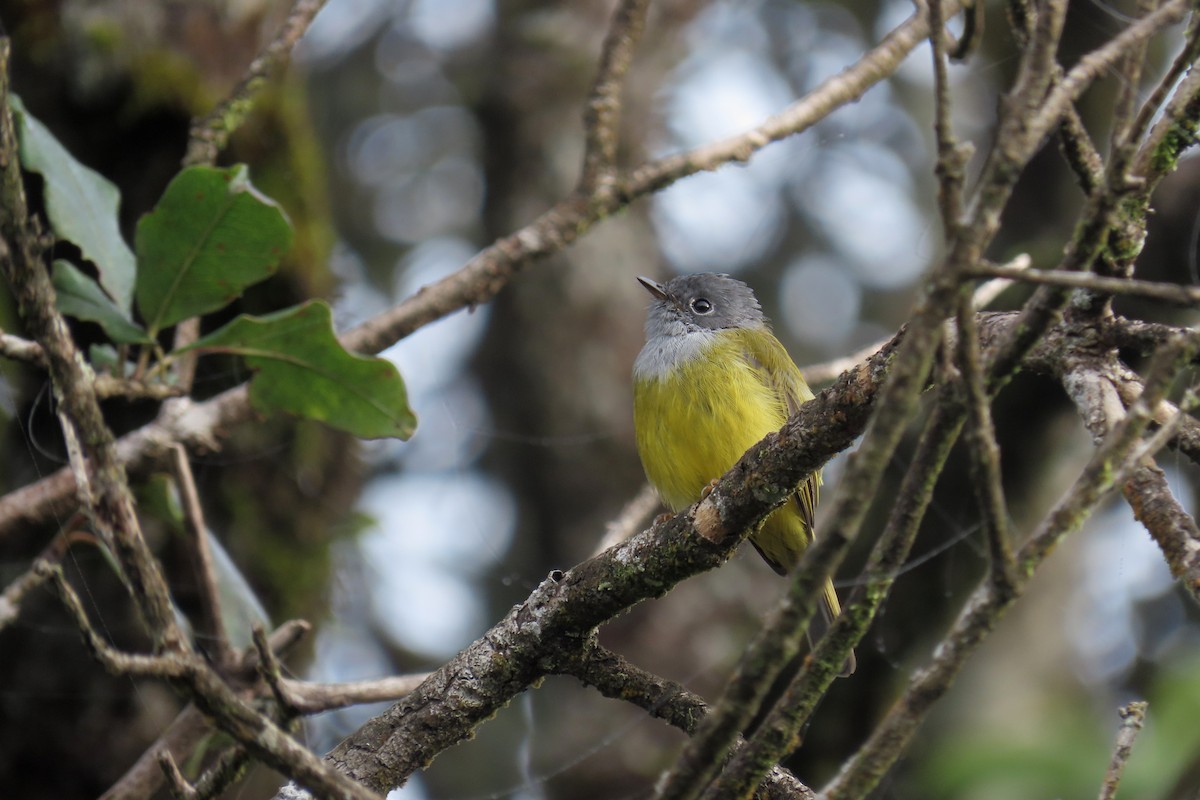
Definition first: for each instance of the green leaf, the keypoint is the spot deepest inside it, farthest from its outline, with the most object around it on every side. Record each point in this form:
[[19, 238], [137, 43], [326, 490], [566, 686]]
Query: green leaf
[[81, 297], [241, 609], [210, 236], [303, 370], [80, 203]]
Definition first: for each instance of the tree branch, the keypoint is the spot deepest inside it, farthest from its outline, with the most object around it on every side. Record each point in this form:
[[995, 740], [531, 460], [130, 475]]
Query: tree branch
[[1173, 293], [1110, 465], [1133, 716], [210, 133], [602, 117]]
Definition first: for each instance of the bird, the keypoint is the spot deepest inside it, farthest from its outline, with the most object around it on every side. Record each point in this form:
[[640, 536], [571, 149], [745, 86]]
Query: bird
[[709, 383]]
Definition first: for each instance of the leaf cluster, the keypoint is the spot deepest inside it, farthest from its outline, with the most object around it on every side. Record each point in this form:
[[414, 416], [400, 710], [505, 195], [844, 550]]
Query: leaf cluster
[[211, 236]]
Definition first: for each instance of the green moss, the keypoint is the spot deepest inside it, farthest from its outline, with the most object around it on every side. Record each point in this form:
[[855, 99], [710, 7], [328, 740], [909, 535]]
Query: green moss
[[1166, 156], [105, 36], [279, 140], [162, 78]]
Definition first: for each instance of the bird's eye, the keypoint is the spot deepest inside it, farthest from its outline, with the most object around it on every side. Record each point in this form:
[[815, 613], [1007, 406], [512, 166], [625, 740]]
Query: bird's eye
[[701, 305]]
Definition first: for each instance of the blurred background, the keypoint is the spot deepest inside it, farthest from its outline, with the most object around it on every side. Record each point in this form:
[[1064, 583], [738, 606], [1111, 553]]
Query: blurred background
[[407, 135]]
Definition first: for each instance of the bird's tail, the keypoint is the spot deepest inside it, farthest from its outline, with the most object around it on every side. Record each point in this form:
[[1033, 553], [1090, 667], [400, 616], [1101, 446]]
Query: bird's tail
[[829, 609]]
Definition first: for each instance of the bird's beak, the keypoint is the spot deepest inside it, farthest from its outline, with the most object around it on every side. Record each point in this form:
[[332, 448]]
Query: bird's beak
[[653, 287]]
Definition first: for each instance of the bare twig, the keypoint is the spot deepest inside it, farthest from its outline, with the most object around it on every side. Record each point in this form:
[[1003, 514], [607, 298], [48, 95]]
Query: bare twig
[[779, 731], [190, 728], [1128, 89], [132, 389], [270, 671], [210, 133], [951, 158], [16, 592], [214, 697], [1103, 58], [1173, 529], [1119, 454], [1133, 716], [144, 778], [983, 297], [222, 773], [602, 118], [483, 276], [1178, 116], [986, 453], [19, 349], [216, 778], [1167, 292], [630, 519], [116, 662], [197, 535], [312, 698], [1080, 151], [613, 676], [181, 789], [776, 643]]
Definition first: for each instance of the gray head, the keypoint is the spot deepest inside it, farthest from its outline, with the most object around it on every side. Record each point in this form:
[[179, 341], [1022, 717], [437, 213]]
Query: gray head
[[700, 303]]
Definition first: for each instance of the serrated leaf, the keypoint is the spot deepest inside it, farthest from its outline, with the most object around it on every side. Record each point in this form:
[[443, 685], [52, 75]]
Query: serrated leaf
[[81, 297], [303, 370], [210, 236], [81, 205]]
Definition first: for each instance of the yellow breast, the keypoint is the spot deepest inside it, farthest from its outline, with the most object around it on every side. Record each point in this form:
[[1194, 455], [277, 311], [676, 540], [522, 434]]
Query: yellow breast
[[695, 421]]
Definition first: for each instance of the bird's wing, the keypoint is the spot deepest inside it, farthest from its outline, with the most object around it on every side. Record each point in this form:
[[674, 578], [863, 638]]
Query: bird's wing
[[769, 358]]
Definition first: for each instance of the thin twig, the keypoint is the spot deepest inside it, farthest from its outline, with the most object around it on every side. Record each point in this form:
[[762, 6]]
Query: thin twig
[[269, 669], [780, 731], [197, 536], [1151, 160], [630, 519], [15, 593], [1156, 290], [1080, 151], [133, 389], [485, 274], [180, 788], [1099, 61], [313, 698], [615, 677], [951, 158], [211, 133], [985, 451], [826, 371], [602, 117], [229, 767], [116, 662], [1173, 529], [776, 643], [189, 728], [1113, 461], [182, 736], [19, 349], [1128, 90], [1133, 716]]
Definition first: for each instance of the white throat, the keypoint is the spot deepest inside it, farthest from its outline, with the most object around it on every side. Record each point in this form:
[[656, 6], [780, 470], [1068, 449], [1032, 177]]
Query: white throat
[[665, 353]]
